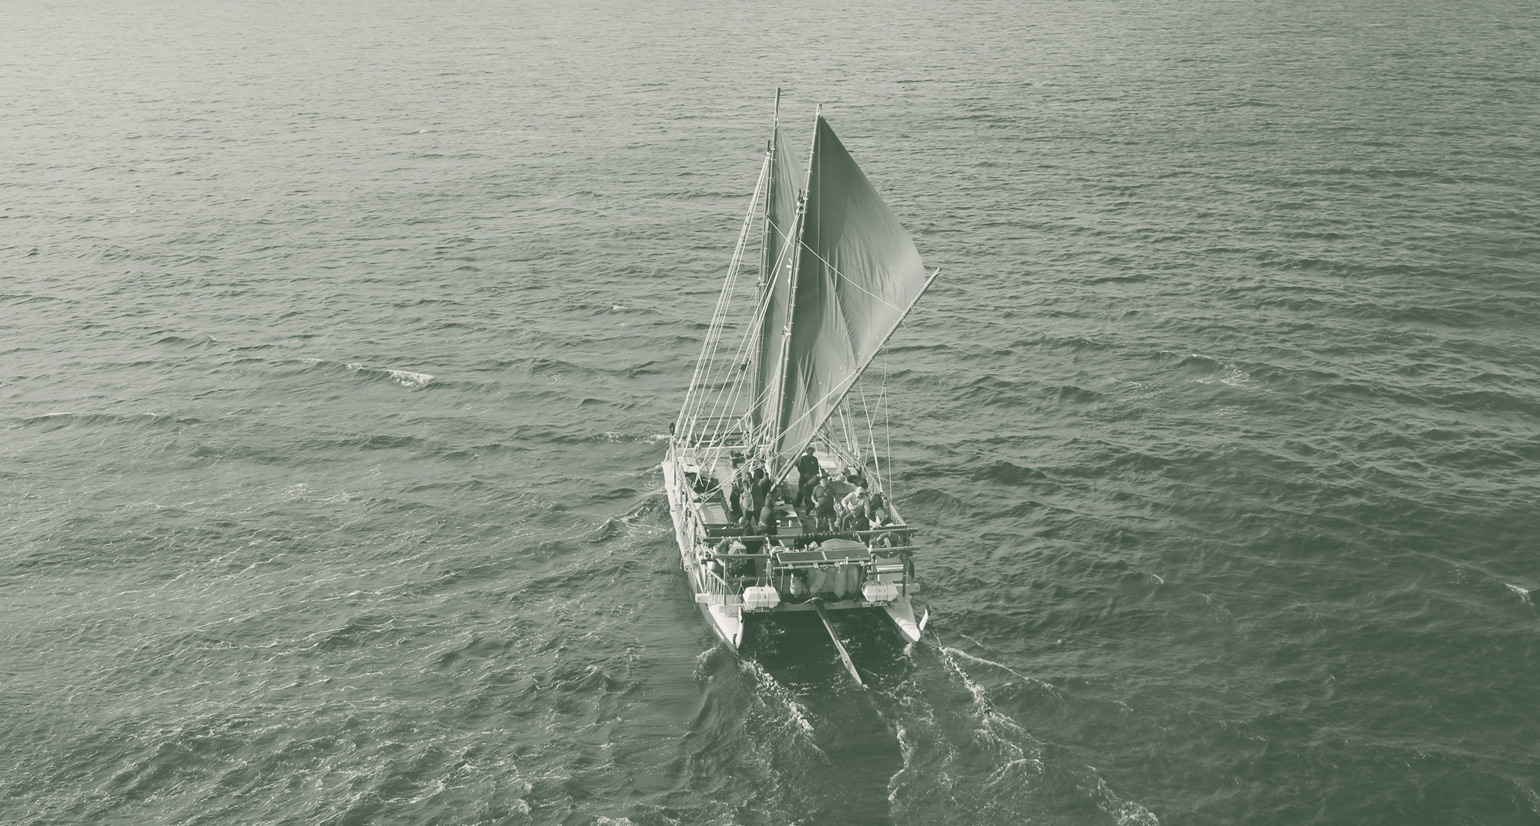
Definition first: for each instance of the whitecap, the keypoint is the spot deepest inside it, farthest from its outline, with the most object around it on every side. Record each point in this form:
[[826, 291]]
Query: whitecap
[[1232, 376], [410, 380]]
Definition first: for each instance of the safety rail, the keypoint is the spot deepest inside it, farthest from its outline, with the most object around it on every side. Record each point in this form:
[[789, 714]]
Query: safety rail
[[714, 578], [888, 530], [877, 553]]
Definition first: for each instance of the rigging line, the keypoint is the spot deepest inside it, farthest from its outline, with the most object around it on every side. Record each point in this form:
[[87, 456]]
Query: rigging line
[[851, 379], [851, 281], [846, 415], [850, 435], [701, 408], [834, 394], [725, 299], [714, 331], [729, 420], [723, 422], [724, 408], [717, 354], [775, 380], [732, 385], [887, 429], [725, 418], [723, 398], [871, 438], [750, 338], [710, 379]]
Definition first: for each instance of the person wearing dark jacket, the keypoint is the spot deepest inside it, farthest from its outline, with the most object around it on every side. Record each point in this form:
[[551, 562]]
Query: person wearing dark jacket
[[807, 476]]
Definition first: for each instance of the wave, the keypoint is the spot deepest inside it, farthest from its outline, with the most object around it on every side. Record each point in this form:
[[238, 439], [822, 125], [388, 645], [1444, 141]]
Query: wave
[[406, 378], [966, 760], [135, 421], [1003, 472]]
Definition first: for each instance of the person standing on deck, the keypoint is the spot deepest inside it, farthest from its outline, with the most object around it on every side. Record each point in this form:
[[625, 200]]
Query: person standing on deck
[[746, 499], [807, 476], [823, 503], [759, 488], [734, 494], [767, 518]]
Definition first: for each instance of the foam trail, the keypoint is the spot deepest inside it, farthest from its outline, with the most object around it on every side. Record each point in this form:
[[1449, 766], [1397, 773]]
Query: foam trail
[[1521, 591], [1024, 678], [775, 695]]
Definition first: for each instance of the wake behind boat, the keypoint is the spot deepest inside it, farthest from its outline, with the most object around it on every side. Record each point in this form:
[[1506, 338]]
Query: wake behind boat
[[778, 504]]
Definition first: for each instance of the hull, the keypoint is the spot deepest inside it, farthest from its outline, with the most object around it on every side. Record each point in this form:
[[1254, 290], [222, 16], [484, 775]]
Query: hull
[[725, 620], [790, 572]]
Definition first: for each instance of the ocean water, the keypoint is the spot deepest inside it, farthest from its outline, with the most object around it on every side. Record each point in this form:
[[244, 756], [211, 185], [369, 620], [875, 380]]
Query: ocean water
[[338, 339]]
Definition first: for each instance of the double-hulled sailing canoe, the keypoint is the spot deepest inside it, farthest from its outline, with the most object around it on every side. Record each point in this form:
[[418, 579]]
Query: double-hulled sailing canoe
[[778, 503]]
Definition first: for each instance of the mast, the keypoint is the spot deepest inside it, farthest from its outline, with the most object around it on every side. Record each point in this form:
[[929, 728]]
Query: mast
[[782, 207], [784, 375], [767, 256]]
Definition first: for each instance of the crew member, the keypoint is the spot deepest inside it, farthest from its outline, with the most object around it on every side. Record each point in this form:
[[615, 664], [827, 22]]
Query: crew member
[[855, 506], [823, 503], [807, 476], [760, 488]]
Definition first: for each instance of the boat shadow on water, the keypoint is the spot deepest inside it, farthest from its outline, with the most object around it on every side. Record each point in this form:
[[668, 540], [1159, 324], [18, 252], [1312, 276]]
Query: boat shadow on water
[[797, 649], [849, 724]]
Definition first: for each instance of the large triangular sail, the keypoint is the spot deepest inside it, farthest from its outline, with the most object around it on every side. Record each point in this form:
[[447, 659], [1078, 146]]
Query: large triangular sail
[[856, 276]]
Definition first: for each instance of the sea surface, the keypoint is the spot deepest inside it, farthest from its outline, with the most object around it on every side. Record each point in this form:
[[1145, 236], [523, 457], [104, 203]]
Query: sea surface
[[337, 339]]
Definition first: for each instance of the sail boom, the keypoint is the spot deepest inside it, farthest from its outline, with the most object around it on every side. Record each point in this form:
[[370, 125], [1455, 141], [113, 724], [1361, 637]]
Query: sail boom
[[836, 399]]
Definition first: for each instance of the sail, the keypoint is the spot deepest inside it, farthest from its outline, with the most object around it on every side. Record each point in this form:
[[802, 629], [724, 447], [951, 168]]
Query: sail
[[776, 260], [857, 275]]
